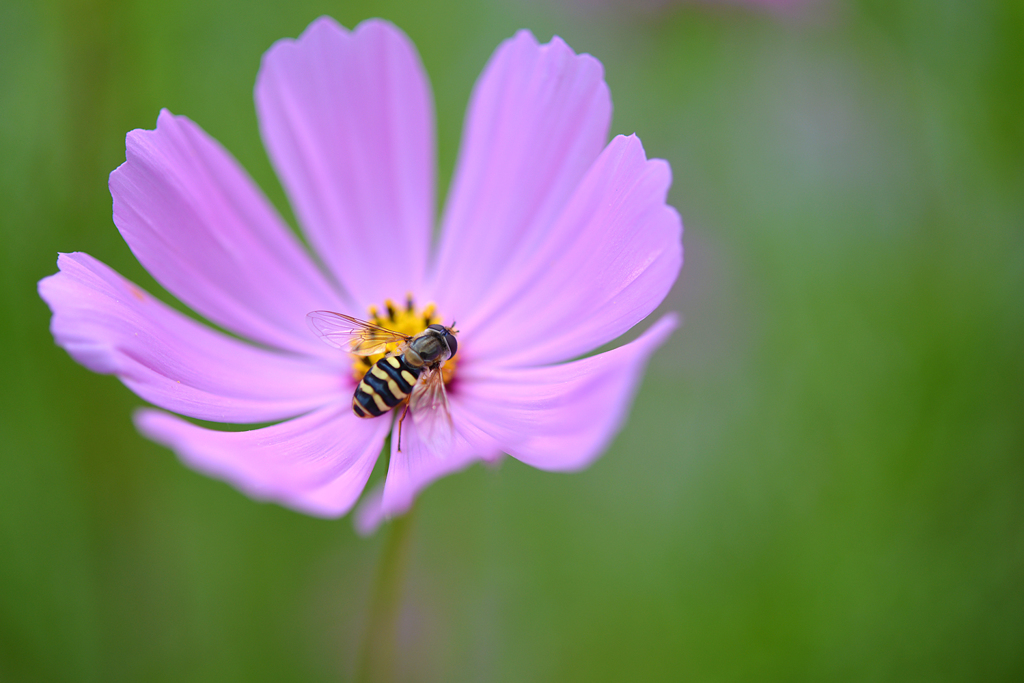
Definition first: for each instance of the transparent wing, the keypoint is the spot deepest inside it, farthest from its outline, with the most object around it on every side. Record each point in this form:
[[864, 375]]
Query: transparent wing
[[431, 412], [352, 334]]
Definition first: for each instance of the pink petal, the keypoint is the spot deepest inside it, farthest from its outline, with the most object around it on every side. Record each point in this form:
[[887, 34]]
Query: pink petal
[[348, 121], [317, 463], [605, 265], [112, 326], [418, 465], [201, 227], [554, 418], [561, 417], [415, 467], [538, 118]]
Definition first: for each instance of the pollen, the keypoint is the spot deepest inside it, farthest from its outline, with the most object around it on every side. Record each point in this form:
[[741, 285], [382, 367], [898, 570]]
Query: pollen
[[405, 319]]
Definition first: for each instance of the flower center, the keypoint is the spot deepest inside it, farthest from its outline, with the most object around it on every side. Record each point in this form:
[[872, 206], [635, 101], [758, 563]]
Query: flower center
[[408, 320]]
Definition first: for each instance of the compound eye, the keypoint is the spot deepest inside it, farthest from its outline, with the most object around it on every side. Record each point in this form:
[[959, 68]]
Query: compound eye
[[436, 327], [453, 345]]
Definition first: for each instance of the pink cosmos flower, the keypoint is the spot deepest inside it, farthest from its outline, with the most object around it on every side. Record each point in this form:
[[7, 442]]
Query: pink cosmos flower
[[552, 243]]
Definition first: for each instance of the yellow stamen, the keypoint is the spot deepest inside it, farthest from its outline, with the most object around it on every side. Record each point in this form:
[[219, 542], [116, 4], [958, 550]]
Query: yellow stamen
[[407, 320]]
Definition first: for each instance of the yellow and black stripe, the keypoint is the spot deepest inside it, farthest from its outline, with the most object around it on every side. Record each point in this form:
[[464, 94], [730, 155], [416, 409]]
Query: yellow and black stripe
[[388, 383]]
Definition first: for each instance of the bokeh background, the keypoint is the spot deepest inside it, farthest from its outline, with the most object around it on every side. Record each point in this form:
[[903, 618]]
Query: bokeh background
[[823, 480]]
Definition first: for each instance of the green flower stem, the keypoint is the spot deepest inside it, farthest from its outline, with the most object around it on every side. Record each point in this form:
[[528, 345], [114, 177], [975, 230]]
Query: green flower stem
[[379, 652]]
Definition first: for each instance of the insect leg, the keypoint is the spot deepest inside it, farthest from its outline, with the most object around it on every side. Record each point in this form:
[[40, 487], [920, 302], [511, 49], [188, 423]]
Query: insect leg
[[400, 421]]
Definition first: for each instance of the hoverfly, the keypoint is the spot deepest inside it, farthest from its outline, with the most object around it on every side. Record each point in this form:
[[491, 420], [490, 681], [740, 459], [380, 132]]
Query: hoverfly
[[412, 371]]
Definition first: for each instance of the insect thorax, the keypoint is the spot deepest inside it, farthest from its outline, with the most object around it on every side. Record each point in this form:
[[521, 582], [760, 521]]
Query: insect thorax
[[427, 348], [417, 323]]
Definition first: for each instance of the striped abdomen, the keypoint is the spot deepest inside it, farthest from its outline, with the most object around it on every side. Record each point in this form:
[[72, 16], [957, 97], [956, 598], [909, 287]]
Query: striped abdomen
[[388, 383]]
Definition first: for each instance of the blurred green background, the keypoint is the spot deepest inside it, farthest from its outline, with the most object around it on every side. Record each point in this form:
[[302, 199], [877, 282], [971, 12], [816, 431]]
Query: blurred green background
[[824, 481]]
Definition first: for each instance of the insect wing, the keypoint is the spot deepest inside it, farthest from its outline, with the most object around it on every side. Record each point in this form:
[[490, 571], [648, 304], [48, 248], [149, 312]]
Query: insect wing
[[431, 412], [352, 334]]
